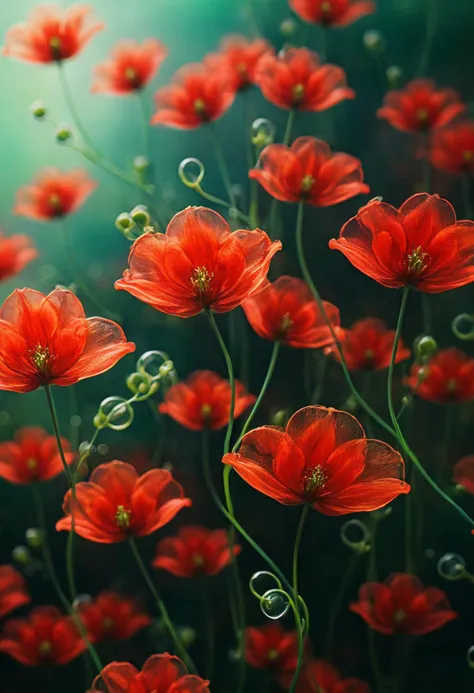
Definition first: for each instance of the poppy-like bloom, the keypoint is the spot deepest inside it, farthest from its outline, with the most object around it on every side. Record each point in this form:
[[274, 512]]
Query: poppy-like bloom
[[420, 106], [420, 245], [47, 340], [54, 194], [117, 503], [130, 68], [198, 264], [195, 551], [197, 95], [46, 636], [239, 56], [463, 473], [331, 13], [295, 79], [286, 311], [161, 673], [13, 592], [323, 459], [52, 34], [402, 604], [15, 253], [272, 648], [308, 171], [111, 616], [318, 676], [452, 148], [367, 346], [203, 401], [448, 377], [33, 456]]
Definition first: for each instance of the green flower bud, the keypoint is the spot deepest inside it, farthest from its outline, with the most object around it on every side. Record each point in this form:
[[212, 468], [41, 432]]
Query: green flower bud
[[63, 134], [394, 76], [374, 41], [34, 537], [288, 27], [124, 221], [38, 110], [279, 418], [140, 215], [425, 347], [141, 164], [21, 554]]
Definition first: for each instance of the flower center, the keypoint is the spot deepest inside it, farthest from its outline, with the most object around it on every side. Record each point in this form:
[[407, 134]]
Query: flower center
[[399, 616], [198, 560], [314, 480], [242, 69], [206, 410], [45, 648], [326, 7], [200, 107], [369, 355], [452, 385], [468, 155], [122, 517], [31, 463], [416, 261], [273, 655], [108, 622], [422, 116], [201, 280], [298, 93], [307, 183], [55, 44], [55, 204], [286, 323], [41, 359]]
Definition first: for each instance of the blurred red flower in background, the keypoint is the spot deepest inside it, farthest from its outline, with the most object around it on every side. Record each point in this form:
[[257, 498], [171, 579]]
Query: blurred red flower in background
[[48, 340], [420, 106], [52, 34], [239, 56], [309, 172], [195, 551], [111, 616], [402, 604], [117, 503], [130, 68], [463, 473], [272, 648], [203, 401], [33, 456], [54, 194], [323, 459], [318, 676], [45, 636], [447, 377], [13, 590], [198, 264], [286, 311], [420, 245], [368, 345], [332, 12], [15, 253], [452, 148]]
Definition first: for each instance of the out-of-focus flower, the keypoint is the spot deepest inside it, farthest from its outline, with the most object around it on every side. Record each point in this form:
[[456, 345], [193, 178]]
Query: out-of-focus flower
[[367, 346], [111, 616], [295, 79], [309, 172], [318, 676], [52, 34], [198, 264], [447, 377], [45, 636], [286, 311], [272, 648], [420, 245], [203, 401], [323, 459], [130, 67], [117, 503], [162, 673], [197, 95], [48, 340], [13, 592], [32, 456], [239, 57], [332, 12], [420, 106], [15, 253], [54, 194], [195, 551], [452, 148], [402, 604], [463, 473]]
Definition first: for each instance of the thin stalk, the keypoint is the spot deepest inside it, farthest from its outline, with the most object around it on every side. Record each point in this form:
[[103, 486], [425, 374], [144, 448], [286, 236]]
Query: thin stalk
[[221, 162], [289, 127], [72, 108], [222, 203], [374, 662], [432, 12], [409, 562], [230, 372], [338, 602], [446, 444], [317, 393], [299, 625], [426, 314], [144, 117], [466, 195], [427, 171], [323, 49], [97, 159], [209, 621]]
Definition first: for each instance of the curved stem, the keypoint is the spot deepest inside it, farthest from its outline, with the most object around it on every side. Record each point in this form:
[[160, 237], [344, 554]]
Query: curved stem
[[230, 372], [72, 108], [221, 162], [299, 625], [289, 127], [209, 621], [338, 601]]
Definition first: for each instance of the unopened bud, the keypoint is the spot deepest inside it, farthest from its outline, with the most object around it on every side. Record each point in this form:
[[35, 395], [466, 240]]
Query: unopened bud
[[279, 418], [140, 215], [288, 27], [407, 401], [34, 537], [141, 164], [63, 134], [425, 347], [394, 76], [374, 40], [187, 635], [38, 110], [124, 222], [21, 554]]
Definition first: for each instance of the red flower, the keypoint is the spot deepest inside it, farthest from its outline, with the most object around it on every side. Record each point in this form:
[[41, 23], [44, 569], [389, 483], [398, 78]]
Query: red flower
[[239, 56], [130, 67], [323, 459], [318, 676], [448, 377], [117, 503], [272, 648], [33, 456], [367, 346], [52, 34], [402, 605], [198, 264], [48, 340], [452, 148], [195, 551], [286, 311], [463, 473], [309, 172], [197, 95], [15, 253], [332, 12], [46, 636], [421, 244], [203, 401], [294, 79], [112, 617], [13, 592], [420, 106], [54, 194], [161, 673]]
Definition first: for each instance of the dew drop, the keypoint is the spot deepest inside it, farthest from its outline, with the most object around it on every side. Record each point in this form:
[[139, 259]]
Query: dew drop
[[274, 604], [451, 566]]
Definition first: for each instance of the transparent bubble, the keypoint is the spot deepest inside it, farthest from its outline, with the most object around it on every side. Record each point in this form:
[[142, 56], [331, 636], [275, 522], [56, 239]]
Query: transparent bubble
[[85, 447], [235, 654], [275, 604], [355, 535], [429, 553], [75, 421], [151, 363], [191, 172], [262, 132], [102, 449], [115, 413], [470, 656], [424, 347], [4, 418], [451, 566], [263, 581], [463, 326], [81, 600]]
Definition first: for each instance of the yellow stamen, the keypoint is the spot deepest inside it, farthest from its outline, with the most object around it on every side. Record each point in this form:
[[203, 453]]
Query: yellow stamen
[[206, 410], [286, 323], [452, 385], [122, 517], [55, 44], [198, 560], [108, 622], [307, 183], [201, 279], [314, 479], [468, 155], [298, 93], [422, 115], [416, 261], [272, 655], [45, 648], [41, 359], [200, 107], [326, 7], [31, 463], [399, 616]]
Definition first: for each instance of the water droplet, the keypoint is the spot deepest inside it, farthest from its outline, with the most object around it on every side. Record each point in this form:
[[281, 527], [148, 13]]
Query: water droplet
[[102, 449], [75, 421], [274, 604], [451, 566]]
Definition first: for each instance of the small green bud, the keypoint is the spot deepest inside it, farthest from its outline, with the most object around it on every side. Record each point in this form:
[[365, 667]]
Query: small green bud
[[407, 400], [34, 537], [374, 40], [38, 110], [141, 164], [124, 222], [187, 635], [165, 369], [394, 76], [140, 215], [21, 554], [279, 418], [63, 134], [288, 27], [425, 347]]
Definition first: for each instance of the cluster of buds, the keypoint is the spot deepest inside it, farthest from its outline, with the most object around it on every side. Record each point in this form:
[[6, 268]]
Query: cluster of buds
[[135, 223]]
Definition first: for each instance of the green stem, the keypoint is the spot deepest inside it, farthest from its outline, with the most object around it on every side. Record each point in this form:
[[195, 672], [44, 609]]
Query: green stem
[[296, 599], [426, 314], [221, 203], [230, 372], [72, 108], [180, 649], [466, 195], [443, 463], [320, 376], [431, 19], [221, 162], [374, 662], [427, 164], [338, 602], [289, 127], [409, 563], [210, 625], [145, 123]]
